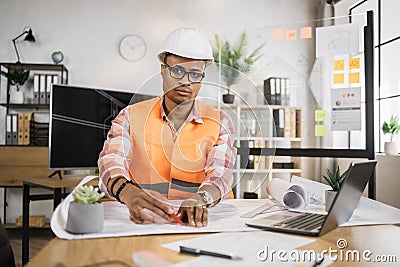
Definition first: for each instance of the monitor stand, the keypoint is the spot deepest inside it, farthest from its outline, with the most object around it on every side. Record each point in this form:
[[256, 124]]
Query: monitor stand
[[54, 173]]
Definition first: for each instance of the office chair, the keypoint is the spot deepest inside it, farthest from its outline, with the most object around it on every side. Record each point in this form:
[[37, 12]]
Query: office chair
[[7, 255]]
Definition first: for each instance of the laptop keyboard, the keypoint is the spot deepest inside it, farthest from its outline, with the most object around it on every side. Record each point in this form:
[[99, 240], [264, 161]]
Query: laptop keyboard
[[306, 221]]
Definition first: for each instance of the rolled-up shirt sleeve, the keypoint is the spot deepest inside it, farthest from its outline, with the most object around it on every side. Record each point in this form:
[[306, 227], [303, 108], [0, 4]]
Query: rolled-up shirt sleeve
[[114, 158], [221, 158]]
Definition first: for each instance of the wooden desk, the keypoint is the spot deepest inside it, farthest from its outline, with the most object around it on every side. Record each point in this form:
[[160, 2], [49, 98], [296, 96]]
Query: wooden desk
[[53, 184], [18, 161], [380, 239]]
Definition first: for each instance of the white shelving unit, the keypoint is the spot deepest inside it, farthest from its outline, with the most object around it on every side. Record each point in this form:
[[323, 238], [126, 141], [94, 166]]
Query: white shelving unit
[[255, 127]]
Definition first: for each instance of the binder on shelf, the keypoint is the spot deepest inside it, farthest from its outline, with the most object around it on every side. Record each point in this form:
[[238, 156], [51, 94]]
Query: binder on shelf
[[14, 129], [250, 162], [36, 86], [290, 123], [27, 128], [55, 79], [9, 129], [269, 91], [259, 161], [278, 94], [288, 165], [21, 128], [277, 165], [42, 89], [298, 123], [244, 157], [49, 81], [285, 92], [279, 119], [39, 130]]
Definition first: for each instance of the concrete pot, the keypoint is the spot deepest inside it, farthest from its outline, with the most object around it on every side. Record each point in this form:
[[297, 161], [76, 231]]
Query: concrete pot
[[16, 97], [85, 218], [329, 197], [391, 148]]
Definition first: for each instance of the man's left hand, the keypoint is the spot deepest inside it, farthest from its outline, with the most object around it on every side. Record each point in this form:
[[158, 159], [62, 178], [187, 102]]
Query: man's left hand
[[194, 211]]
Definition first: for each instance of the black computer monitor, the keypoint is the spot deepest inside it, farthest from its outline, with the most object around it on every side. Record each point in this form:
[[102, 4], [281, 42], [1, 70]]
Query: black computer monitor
[[80, 119]]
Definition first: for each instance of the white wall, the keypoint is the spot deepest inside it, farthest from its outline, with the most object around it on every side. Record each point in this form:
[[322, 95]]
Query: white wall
[[88, 32]]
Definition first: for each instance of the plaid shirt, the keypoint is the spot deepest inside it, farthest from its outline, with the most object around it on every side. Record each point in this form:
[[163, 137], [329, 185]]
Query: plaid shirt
[[115, 156]]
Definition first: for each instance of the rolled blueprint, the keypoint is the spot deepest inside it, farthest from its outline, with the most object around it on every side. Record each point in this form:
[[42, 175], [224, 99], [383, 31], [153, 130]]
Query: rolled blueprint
[[291, 196]]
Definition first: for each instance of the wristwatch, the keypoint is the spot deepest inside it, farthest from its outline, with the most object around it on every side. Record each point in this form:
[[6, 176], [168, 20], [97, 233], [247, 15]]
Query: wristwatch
[[206, 197]]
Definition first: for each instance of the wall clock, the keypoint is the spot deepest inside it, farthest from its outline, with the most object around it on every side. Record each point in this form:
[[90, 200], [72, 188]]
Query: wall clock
[[132, 47]]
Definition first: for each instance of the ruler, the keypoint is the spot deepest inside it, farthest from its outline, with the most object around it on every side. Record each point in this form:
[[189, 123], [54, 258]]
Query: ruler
[[259, 210]]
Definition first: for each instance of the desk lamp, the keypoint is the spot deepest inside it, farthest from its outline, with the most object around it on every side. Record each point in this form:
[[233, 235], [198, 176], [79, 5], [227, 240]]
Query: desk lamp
[[29, 37]]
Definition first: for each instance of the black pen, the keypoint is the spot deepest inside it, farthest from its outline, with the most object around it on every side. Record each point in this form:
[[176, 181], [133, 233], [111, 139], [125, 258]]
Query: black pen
[[195, 251], [319, 261]]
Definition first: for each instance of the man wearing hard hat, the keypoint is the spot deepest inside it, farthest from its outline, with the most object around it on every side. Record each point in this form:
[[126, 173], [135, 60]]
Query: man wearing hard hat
[[172, 147]]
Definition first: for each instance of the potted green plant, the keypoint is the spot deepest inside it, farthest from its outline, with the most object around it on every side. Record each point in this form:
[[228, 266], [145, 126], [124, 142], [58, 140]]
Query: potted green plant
[[16, 77], [392, 128], [85, 213], [234, 61], [335, 180]]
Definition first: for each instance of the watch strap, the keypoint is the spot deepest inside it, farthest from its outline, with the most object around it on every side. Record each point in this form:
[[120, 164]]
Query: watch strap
[[206, 197]]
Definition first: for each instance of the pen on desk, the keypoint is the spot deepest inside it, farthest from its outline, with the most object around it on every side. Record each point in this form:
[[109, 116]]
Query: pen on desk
[[319, 261], [195, 251], [176, 218]]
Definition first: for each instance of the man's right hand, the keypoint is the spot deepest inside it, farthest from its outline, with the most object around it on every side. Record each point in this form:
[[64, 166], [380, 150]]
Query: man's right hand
[[137, 199]]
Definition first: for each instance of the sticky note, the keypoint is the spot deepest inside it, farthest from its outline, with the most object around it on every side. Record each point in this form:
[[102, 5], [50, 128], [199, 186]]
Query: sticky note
[[354, 63], [320, 130], [278, 33], [320, 115], [291, 35], [338, 64], [338, 78], [354, 77], [306, 33]]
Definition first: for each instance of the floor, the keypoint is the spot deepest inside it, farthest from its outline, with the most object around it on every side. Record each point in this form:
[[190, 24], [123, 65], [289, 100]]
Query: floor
[[38, 239]]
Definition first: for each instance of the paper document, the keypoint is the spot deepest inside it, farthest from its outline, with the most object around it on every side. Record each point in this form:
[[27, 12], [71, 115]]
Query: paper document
[[290, 195], [255, 248], [370, 211], [315, 190], [224, 217], [227, 216]]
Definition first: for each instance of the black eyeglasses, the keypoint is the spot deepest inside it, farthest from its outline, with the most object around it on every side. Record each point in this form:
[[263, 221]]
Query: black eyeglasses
[[178, 73]]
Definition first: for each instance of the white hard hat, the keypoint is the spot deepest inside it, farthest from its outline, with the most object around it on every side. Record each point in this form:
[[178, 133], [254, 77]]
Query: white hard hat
[[188, 43]]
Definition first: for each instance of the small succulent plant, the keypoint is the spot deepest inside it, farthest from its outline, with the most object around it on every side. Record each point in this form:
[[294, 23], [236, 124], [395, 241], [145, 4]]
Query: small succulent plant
[[86, 195], [335, 179]]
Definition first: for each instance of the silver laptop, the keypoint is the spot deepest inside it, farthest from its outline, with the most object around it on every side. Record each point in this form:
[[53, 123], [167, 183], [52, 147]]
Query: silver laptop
[[341, 210]]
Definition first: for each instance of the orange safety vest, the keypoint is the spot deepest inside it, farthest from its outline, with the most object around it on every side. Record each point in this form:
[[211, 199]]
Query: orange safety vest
[[175, 169]]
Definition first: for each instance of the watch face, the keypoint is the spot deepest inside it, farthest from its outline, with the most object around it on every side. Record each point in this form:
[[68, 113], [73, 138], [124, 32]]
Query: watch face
[[207, 198], [132, 47]]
